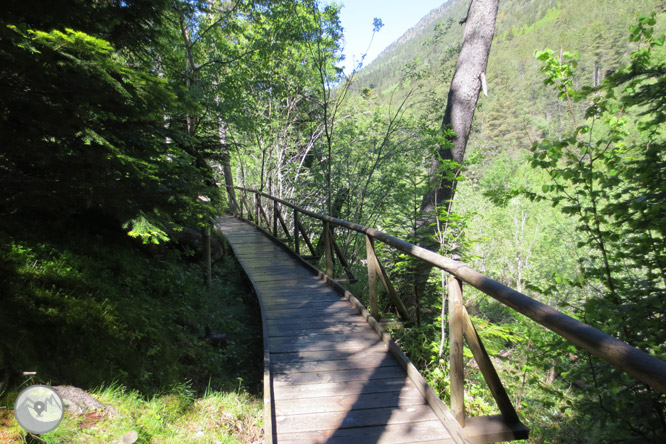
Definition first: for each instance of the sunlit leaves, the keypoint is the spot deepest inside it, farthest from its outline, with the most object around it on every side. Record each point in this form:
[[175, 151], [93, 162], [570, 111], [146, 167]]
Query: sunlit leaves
[[604, 174]]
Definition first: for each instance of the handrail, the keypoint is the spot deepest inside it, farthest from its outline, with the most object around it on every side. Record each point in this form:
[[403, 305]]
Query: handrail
[[637, 363]]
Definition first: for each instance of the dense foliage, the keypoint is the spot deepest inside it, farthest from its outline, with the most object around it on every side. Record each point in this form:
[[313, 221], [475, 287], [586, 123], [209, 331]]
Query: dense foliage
[[125, 117], [114, 123]]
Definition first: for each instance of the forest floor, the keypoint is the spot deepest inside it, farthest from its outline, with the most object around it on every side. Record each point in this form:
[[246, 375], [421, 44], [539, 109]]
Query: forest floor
[[126, 322]]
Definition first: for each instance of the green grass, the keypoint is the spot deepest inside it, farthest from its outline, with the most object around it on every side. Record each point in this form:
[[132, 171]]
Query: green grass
[[176, 417], [92, 308]]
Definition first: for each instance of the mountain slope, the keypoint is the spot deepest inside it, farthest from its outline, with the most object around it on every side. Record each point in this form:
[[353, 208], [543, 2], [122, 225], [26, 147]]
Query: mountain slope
[[518, 107]]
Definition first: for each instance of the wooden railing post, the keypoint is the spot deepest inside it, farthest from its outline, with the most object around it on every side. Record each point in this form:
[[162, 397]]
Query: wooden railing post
[[242, 197], [275, 219], [258, 216], [296, 237], [372, 276], [456, 366], [250, 217], [378, 270], [488, 370], [328, 251]]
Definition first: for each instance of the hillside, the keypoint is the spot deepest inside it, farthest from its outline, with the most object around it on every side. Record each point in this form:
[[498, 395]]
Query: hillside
[[518, 106], [502, 216]]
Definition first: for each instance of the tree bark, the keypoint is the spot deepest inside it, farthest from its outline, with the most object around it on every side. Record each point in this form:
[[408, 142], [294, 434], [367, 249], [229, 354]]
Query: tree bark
[[461, 103], [466, 85], [226, 165]]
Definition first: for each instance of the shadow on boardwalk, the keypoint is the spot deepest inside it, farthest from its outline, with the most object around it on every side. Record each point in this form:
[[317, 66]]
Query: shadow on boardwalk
[[332, 379]]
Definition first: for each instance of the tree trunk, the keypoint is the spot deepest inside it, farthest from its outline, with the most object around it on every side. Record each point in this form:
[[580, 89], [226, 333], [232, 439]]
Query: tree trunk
[[226, 166], [466, 85], [463, 96]]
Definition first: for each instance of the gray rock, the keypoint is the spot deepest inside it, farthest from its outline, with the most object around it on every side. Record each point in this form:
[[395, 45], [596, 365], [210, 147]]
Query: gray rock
[[78, 402]]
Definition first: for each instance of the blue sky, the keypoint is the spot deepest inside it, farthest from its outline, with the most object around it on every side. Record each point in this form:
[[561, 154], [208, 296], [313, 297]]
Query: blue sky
[[397, 15]]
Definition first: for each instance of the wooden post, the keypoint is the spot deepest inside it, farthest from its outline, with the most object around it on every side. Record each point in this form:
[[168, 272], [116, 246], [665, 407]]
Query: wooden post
[[250, 217], [393, 294], [488, 370], [456, 370], [283, 223], [264, 215], [258, 216], [296, 237], [379, 270], [328, 250], [372, 276], [242, 198], [207, 256], [306, 239], [341, 258], [275, 219]]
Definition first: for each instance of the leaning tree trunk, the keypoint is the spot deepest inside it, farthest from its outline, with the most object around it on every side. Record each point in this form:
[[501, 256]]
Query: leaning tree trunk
[[466, 85], [226, 163], [463, 96]]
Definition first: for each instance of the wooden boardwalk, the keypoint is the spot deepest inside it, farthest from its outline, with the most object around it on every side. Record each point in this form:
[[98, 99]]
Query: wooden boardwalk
[[329, 378]]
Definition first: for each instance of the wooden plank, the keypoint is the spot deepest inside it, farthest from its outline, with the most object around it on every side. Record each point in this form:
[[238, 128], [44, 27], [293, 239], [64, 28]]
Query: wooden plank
[[287, 280], [368, 375], [318, 330], [303, 300], [348, 402], [303, 304], [323, 311], [284, 273], [270, 436], [321, 346], [337, 388], [300, 357], [487, 429], [304, 288], [364, 361], [289, 330], [341, 314], [265, 263], [309, 323], [311, 293], [305, 294], [367, 337], [421, 432], [279, 300], [352, 419]]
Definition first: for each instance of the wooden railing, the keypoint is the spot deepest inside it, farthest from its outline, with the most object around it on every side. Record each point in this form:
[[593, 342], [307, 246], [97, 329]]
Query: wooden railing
[[639, 364]]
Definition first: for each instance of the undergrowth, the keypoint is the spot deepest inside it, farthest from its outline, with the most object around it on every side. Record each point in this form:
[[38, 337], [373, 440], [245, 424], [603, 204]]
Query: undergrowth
[[91, 308]]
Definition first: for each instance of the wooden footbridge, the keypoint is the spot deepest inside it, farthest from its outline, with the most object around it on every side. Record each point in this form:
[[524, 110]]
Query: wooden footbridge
[[333, 375]]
